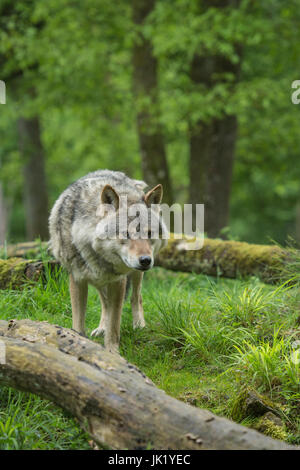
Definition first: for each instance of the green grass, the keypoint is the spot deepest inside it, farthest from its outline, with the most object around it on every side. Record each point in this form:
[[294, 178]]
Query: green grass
[[205, 339], [28, 422]]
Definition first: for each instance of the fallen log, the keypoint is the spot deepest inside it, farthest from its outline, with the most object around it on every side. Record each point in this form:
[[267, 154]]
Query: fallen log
[[112, 399], [14, 272], [23, 250], [229, 259], [216, 258]]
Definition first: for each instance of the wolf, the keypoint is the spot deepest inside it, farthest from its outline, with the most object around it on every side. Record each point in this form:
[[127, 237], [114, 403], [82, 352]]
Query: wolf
[[97, 239]]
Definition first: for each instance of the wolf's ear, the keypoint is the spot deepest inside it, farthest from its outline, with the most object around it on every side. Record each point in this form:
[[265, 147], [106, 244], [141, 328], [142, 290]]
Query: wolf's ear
[[109, 196], [154, 196]]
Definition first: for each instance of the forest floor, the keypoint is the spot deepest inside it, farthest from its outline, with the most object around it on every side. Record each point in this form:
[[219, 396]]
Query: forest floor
[[208, 341]]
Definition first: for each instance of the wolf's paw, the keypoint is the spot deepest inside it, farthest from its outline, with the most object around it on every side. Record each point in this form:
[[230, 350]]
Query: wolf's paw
[[113, 348], [98, 332]]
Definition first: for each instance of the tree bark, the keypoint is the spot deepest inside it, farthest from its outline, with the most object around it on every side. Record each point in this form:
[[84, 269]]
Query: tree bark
[[212, 143], [145, 83], [35, 190], [112, 399], [211, 164]]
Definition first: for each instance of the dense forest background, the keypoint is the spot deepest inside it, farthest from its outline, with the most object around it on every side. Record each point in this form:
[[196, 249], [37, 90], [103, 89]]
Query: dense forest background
[[194, 94]]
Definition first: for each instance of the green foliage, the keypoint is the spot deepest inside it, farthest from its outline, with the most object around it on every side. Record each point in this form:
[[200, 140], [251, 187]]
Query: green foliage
[[77, 58], [271, 364], [245, 306], [29, 423]]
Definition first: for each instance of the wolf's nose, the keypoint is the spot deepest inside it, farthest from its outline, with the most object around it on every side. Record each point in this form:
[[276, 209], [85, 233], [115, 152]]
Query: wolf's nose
[[145, 261]]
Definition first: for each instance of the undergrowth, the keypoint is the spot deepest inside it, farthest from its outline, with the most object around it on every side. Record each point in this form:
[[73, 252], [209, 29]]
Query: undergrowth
[[205, 339]]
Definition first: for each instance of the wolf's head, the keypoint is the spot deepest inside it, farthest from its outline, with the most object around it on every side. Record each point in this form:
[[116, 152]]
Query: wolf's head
[[131, 230]]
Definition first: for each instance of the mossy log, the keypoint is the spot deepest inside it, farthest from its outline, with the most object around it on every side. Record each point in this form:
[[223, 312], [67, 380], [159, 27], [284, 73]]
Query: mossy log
[[15, 271], [113, 401], [23, 250], [216, 258], [226, 259]]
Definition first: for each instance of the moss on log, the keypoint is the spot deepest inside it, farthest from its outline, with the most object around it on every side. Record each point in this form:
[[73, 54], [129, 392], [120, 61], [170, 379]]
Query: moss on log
[[15, 272], [113, 401], [225, 258]]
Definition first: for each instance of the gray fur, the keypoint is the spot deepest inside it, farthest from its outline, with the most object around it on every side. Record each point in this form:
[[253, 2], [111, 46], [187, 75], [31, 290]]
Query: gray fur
[[74, 240], [77, 206]]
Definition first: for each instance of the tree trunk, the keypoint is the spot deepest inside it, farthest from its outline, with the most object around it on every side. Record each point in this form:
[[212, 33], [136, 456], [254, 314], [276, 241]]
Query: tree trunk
[[145, 83], [35, 190], [211, 165], [113, 400], [212, 143]]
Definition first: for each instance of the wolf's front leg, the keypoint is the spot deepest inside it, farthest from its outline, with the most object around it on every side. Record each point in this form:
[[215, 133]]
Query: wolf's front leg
[[78, 293], [136, 299], [115, 299], [104, 308]]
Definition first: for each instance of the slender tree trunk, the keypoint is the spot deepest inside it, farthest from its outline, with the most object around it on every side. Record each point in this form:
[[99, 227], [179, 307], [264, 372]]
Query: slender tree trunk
[[212, 143], [145, 83], [35, 190]]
